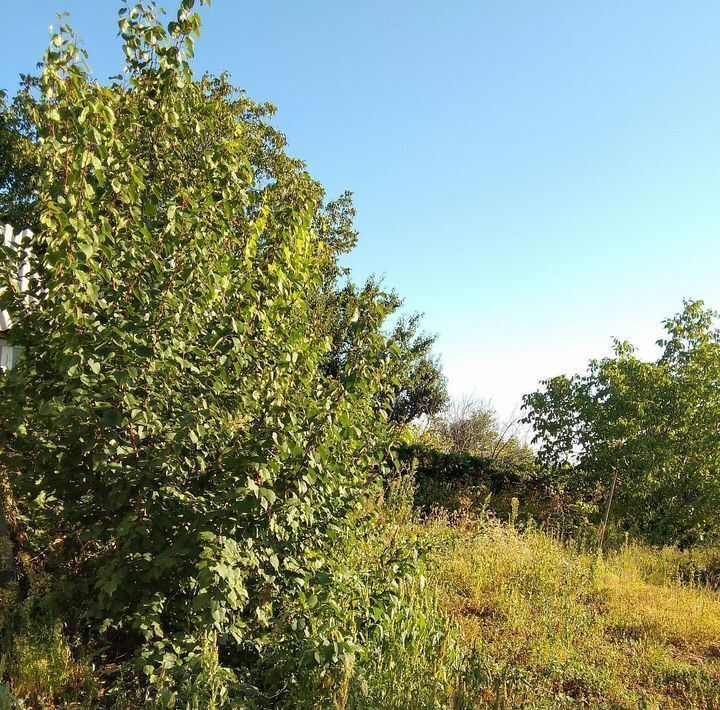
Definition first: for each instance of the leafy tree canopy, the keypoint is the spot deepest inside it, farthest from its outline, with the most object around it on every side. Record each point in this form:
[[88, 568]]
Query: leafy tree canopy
[[421, 386], [653, 425], [189, 430]]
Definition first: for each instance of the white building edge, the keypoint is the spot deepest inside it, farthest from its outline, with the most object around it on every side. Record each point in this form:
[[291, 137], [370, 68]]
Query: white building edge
[[8, 354]]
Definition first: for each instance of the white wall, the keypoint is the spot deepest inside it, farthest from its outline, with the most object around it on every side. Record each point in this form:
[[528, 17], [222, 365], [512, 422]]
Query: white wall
[[7, 354]]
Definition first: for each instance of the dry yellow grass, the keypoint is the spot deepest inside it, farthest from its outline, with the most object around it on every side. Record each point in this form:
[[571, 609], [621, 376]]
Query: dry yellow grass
[[552, 626], [684, 617]]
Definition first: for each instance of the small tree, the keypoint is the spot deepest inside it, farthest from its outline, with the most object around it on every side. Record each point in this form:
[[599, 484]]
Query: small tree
[[645, 431], [173, 439], [471, 426]]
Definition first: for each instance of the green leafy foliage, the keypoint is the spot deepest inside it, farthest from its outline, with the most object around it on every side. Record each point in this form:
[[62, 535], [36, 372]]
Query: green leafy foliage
[[471, 426], [18, 157], [420, 386], [651, 425], [180, 456]]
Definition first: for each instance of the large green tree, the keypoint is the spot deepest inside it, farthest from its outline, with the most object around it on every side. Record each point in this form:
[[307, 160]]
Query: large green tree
[[420, 386], [178, 450], [640, 437]]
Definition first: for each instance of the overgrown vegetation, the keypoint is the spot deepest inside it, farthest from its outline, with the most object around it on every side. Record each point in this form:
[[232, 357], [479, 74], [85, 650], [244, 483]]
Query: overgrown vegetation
[[641, 438], [501, 618], [228, 482], [182, 461]]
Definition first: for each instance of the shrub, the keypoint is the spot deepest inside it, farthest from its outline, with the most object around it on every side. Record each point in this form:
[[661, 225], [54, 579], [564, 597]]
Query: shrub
[[179, 457]]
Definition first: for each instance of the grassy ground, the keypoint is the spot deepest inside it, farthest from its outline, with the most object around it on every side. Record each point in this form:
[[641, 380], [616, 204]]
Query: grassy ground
[[552, 626], [503, 618]]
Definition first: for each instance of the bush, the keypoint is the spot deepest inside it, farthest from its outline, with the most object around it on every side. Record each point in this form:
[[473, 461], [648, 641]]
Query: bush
[[179, 458]]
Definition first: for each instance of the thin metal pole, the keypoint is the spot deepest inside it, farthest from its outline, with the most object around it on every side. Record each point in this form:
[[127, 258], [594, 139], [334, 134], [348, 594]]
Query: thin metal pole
[[607, 510]]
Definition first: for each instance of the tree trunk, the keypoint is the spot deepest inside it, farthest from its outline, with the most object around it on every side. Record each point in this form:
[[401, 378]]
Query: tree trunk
[[8, 565]]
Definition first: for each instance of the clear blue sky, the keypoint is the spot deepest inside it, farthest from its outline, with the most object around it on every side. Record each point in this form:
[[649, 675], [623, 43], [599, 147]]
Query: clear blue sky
[[534, 177]]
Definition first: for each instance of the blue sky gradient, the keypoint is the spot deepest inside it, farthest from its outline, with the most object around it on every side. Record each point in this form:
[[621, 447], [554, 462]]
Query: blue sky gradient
[[534, 177]]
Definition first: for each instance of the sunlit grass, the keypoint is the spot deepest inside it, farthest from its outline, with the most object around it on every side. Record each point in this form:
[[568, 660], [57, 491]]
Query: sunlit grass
[[564, 628]]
